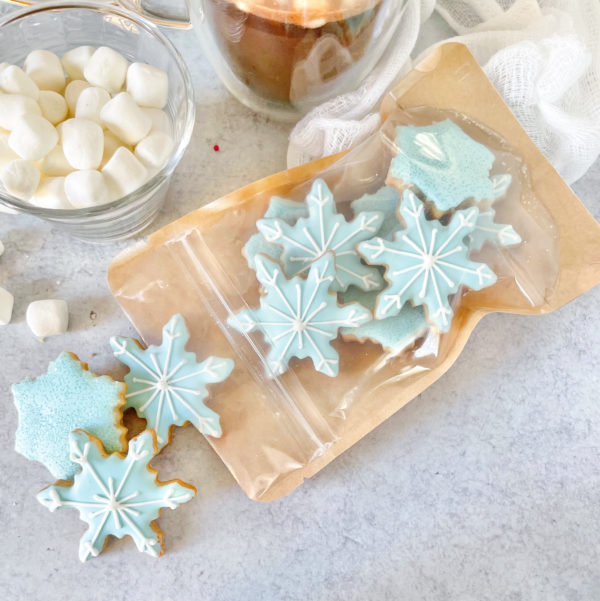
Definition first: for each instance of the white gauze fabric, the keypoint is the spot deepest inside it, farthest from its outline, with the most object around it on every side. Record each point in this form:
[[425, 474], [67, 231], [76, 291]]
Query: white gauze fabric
[[542, 56]]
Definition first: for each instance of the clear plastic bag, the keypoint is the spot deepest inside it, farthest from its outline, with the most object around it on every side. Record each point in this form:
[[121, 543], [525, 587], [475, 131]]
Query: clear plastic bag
[[280, 428]]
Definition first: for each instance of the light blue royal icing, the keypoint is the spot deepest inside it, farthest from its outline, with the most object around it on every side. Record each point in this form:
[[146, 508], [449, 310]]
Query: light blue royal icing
[[322, 231], [281, 208], [393, 333], [487, 230], [426, 262], [116, 495], [165, 384], [386, 201], [446, 164], [56, 403], [299, 317]]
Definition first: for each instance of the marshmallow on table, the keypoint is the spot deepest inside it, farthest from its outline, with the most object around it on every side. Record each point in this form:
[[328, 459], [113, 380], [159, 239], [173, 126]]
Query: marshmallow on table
[[46, 70], [13, 80], [83, 143], [125, 119], [86, 188], [90, 103], [75, 60], [154, 150], [72, 93], [15, 105], [160, 120], [148, 85], [50, 194], [55, 163], [124, 173], [106, 69], [53, 106], [6, 306], [6, 153], [47, 317], [33, 137], [20, 178]]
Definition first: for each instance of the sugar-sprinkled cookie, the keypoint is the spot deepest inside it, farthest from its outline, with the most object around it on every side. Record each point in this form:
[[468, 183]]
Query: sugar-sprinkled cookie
[[165, 384], [299, 317], [116, 494], [393, 333], [326, 230], [65, 398], [446, 164], [426, 263]]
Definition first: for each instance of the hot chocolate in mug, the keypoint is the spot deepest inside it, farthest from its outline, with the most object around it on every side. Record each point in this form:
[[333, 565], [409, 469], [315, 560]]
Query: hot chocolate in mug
[[284, 57]]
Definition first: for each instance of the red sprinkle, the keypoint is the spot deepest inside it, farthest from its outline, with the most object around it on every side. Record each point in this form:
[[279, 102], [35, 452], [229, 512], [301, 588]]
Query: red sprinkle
[[216, 148]]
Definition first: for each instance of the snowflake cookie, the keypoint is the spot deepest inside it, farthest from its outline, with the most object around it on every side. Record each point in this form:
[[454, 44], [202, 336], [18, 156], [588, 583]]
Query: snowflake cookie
[[426, 262], [300, 317], [322, 231], [446, 164], [487, 230], [65, 398], [385, 201], [165, 384], [116, 494]]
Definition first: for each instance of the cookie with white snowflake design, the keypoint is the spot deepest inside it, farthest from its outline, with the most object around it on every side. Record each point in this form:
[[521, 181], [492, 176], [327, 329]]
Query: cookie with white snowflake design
[[68, 396], [426, 263], [486, 230], [299, 317], [167, 386], [116, 495], [325, 230]]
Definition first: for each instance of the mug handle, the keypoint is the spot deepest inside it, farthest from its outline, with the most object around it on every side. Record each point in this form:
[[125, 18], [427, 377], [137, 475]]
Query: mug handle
[[134, 6]]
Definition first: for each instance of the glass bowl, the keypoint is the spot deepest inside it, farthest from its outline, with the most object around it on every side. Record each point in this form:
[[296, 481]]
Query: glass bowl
[[60, 26]]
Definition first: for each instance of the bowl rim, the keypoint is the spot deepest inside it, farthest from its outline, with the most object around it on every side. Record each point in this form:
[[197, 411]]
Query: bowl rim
[[65, 215]]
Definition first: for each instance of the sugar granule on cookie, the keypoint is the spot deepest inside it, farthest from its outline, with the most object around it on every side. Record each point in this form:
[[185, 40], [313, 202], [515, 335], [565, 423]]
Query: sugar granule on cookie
[[167, 386], [326, 230], [65, 398], [446, 164], [116, 494], [299, 317], [426, 262]]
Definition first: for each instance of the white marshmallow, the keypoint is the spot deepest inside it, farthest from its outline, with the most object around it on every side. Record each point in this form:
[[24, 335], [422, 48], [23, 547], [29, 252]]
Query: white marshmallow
[[160, 121], [125, 119], [86, 188], [72, 93], [47, 317], [46, 70], [106, 69], [53, 106], [20, 178], [83, 143], [111, 143], [75, 60], [33, 137], [90, 103], [15, 105], [50, 194], [6, 153], [3, 66], [148, 85], [13, 80], [7, 301], [154, 150], [124, 173], [55, 163]]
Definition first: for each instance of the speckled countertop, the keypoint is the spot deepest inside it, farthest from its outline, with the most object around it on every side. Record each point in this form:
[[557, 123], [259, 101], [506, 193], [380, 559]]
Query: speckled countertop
[[486, 487]]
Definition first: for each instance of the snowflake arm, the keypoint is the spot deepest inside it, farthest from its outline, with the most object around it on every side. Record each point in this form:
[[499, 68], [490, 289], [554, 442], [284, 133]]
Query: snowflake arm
[[487, 230], [322, 231], [116, 494], [299, 317], [167, 386], [385, 201], [426, 263]]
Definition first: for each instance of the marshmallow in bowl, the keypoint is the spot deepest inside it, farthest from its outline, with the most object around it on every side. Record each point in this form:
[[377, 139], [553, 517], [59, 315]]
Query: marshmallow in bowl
[[124, 173], [55, 163], [6, 153], [148, 85], [106, 69], [154, 150], [72, 93], [53, 106], [90, 103], [32, 137], [160, 120], [50, 194], [13, 106], [75, 60], [86, 188], [20, 178], [82, 141], [46, 70], [124, 118], [13, 80]]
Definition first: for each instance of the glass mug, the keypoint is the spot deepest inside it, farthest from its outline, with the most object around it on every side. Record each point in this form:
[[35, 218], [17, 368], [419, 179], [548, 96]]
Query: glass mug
[[284, 57]]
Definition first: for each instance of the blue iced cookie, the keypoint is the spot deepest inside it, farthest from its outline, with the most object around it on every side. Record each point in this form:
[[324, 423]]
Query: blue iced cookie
[[116, 494], [487, 230], [65, 398], [385, 201]]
